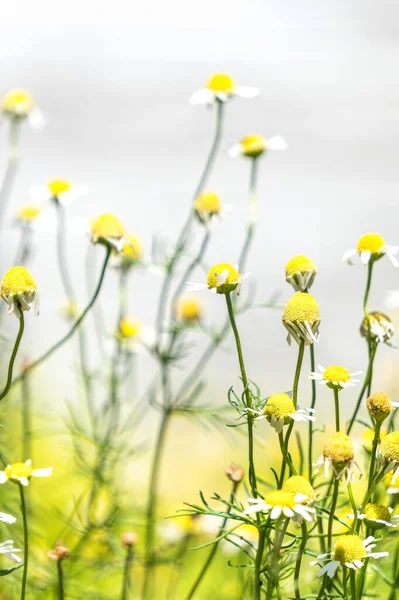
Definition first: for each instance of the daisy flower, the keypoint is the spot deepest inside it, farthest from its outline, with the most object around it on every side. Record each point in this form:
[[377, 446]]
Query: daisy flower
[[349, 551], [131, 254], [221, 87], [280, 411], [381, 328], [296, 484], [377, 516], [301, 318], [108, 231], [388, 454], [7, 548], [59, 190], [371, 246], [335, 377], [22, 472], [27, 214], [222, 279], [254, 145], [280, 503], [380, 406], [188, 310], [19, 290], [300, 272], [18, 104], [208, 206], [338, 454]]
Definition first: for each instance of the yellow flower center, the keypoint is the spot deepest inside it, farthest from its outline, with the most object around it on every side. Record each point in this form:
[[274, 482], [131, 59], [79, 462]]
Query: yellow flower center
[[279, 405], [371, 242], [129, 328], [17, 280], [28, 213], [339, 448], [379, 406], [299, 485], [208, 202], [18, 102], [389, 446], [107, 226], [301, 307], [188, 309], [18, 470], [280, 498], [220, 82], [223, 277], [132, 252], [58, 186], [299, 264], [253, 145], [377, 511], [336, 374], [349, 548]]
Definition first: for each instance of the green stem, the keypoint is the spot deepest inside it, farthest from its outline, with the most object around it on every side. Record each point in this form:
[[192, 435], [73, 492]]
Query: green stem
[[366, 384], [352, 576], [12, 167], [331, 515], [75, 326], [286, 456], [365, 302], [126, 583], [248, 398], [252, 217], [60, 578], [273, 572], [14, 355], [336, 403], [353, 505], [376, 441], [212, 553], [26, 418], [258, 565], [299, 559], [310, 426], [26, 542]]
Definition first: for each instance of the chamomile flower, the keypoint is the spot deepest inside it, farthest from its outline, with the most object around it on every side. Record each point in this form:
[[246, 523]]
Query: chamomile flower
[[338, 454], [380, 325], [388, 454], [380, 406], [27, 214], [378, 516], [221, 88], [349, 551], [208, 206], [7, 548], [59, 190], [222, 279], [280, 411], [371, 246], [301, 318], [254, 145], [22, 472], [18, 104], [296, 484], [335, 377], [300, 272], [188, 310], [19, 290], [108, 231], [129, 329], [280, 503], [131, 253]]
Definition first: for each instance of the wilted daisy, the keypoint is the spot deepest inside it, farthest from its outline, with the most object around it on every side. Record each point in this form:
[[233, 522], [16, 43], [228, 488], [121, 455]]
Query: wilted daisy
[[188, 310], [131, 253], [61, 190], [371, 246], [7, 548], [221, 87], [18, 104], [254, 145], [338, 454], [300, 272], [301, 317], [60, 552], [208, 206], [380, 406], [335, 377], [22, 472], [19, 290], [388, 454], [280, 411], [377, 516], [108, 231], [280, 503], [380, 325], [349, 551], [222, 279]]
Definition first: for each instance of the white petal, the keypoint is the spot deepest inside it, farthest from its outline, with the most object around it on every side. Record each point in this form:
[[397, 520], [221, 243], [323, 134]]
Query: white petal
[[221, 278], [246, 92], [378, 554], [235, 151], [276, 143], [393, 259], [36, 119], [3, 477], [7, 518], [368, 540], [203, 96], [195, 287], [255, 508], [42, 472], [288, 512], [275, 512], [348, 254], [23, 481], [365, 257]]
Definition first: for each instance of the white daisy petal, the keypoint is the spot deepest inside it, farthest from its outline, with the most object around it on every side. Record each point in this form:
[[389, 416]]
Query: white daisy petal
[[246, 92], [276, 143]]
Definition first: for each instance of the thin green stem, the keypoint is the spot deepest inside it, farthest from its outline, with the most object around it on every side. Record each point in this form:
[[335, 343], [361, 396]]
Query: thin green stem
[[336, 406], [75, 326], [299, 559], [126, 583], [26, 541], [26, 418], [273, 572], [14, 355], [376, 441], [286, 455], [353, 505], [312, 405], [332, 513], [365, 385], [352, 576], [252, 217], [258, 564], [247, 393], [60, 579], [12, 167], [212, 553]]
